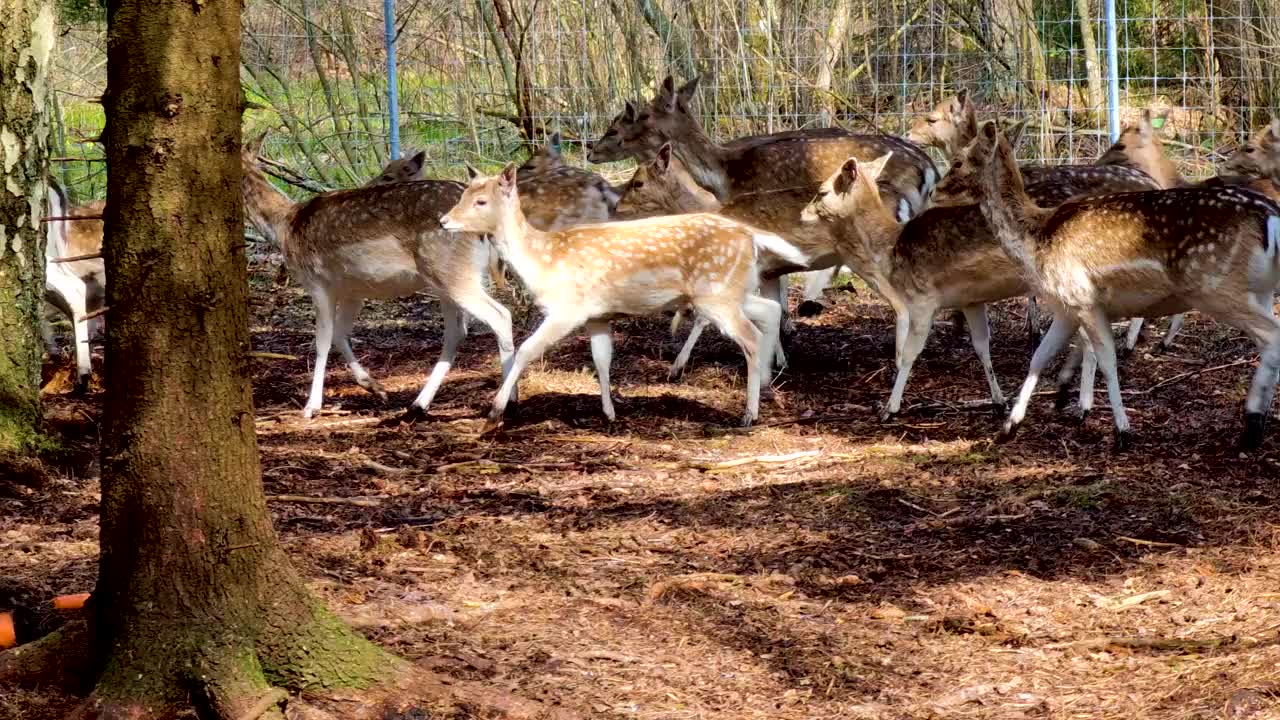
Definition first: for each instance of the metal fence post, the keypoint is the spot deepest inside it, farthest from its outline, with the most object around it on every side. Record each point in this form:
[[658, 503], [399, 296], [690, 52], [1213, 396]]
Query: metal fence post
[[1113, 74], [393, 90]]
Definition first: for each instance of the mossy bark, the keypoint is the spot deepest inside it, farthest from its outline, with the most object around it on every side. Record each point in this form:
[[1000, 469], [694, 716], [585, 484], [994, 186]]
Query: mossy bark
[[195, 597], [26, 42]]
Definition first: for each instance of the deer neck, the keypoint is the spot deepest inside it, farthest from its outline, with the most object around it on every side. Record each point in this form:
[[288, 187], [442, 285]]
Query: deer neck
[[269, 209], [1015, 220], [527, 248], [705, 161], [879, 232]]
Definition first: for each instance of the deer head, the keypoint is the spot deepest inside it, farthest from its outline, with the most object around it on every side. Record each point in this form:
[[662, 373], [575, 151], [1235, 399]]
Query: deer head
[[485, 203], [401, 170], [545, 158], [1260, 157], [962, 184], [949, 127], [662, 186], [849, 192], [625, 137], [1139, 146]]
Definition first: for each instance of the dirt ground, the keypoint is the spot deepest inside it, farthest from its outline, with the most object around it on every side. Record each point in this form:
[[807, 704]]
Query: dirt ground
[[903, 570]]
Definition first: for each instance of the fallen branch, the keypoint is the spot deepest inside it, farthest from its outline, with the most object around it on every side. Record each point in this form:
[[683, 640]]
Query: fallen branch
[[271, 356], [1192, 373], [766, 459], [293, 177], [309, 500], [1149, 543], [75, 258]]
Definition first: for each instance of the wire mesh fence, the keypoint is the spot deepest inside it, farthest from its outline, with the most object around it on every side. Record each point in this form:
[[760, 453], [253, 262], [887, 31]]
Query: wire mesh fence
[[479, 79]]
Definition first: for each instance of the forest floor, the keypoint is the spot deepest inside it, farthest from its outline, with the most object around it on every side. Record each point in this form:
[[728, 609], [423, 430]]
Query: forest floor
[[909, 569]]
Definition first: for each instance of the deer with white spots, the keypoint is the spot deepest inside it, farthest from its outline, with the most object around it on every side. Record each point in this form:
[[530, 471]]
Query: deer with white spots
[[763, 180], [74, 288], [378, 242], [590, 274], [1254, 165], [1139, 254]]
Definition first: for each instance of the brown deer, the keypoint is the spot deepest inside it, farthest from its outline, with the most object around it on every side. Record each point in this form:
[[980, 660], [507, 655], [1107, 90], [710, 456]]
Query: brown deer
[[1255, 165], [74, 288], [951, 125], [555, 196], [378, 242], [406, 169], [590, 274], [1138, 254]]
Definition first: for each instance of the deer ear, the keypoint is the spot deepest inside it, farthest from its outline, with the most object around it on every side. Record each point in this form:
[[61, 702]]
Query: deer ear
[[667, 99], [962, 98], [849, 170], [416, 162], [662, 161], [989, 130], [553, 145], [507, 180], [629, 112], [874, 168], [472, 173], [1273, 130], [1015, 133], [685, 94]]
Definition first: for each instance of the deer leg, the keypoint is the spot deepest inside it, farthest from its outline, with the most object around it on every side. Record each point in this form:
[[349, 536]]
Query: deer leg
[[454, 332], [74, 294], [1033, 320], [1098, 327], [494, 314], [775, 289], [919, 322], [815, 281], [768, 318], [731, 319], [1088, 375], [1068, 371], [325, 307], [1259, 321], [602, 355], [677, 368], [1175, 327], [1133, 334], [1051, 344], [553, 328], [980, 333], [344, 321]]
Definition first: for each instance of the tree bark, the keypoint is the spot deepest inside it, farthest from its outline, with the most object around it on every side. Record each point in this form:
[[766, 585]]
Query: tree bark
[[832, 49], [1092, 63], [26, 42], [194, 596]]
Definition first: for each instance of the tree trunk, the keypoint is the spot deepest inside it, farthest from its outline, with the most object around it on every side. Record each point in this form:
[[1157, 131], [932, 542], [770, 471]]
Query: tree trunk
[[831, 51], [26, 41], [1092, 63]]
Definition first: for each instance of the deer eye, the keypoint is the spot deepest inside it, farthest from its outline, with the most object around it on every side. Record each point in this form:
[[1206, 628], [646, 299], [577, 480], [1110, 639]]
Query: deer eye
[[638, 184], [481, 202], [932, 120], [611, 132], [957, 165], [1250, 149]]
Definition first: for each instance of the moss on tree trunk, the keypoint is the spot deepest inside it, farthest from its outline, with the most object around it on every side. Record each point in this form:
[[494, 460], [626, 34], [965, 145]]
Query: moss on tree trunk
[[26, 41]]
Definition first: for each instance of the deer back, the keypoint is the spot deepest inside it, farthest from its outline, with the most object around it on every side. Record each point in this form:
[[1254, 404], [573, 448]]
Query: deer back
[[951, 253], [565, 196], [1052, 186]]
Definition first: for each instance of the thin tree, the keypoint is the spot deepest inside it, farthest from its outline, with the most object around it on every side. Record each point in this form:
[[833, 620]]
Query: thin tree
[[26, 42], [196, 603]]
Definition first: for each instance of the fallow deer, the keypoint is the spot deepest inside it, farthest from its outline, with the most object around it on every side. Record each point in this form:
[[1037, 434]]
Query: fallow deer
[[405, 169], [591, 274], [379, 242], [949, 127], [74, 288], [1155, 253], [1255, 165], [555, 196]]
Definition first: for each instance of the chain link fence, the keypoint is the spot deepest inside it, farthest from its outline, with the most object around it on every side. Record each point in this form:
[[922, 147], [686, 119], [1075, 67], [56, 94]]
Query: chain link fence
[[479, 79]]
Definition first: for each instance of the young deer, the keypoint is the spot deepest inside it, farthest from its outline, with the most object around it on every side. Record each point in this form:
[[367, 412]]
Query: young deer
[[1139, 254], [1255, 165], [557, 196], [591, 274], [400, 170], [949, 127], [74, 288], [378, 242]]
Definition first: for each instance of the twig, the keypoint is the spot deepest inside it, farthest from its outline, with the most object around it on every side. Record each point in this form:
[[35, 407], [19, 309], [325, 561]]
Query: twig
[[96, 313], [1147, 643], [271, 355], [1192, 373], [308, 500], [374, 465], [270, 699], [76, 258], [1149, 543], [60, 218], [769, 459]]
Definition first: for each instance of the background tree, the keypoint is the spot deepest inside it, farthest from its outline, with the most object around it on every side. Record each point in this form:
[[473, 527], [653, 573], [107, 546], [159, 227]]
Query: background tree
[[26, 40]]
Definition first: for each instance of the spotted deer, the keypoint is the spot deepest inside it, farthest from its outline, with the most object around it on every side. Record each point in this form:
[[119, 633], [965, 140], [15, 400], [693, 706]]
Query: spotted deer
[[74, 288], [378, 242], [590, 274], [1138, 254], [405, 169], [1254, 165], [555, 196], [764, 180]]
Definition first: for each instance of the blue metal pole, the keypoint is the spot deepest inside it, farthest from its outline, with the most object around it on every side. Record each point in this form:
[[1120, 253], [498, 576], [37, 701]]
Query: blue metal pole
[[1113, 74], [393, 91]]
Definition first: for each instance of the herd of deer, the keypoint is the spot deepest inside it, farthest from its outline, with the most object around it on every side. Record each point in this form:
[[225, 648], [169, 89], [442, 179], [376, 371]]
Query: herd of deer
[[713, 230]]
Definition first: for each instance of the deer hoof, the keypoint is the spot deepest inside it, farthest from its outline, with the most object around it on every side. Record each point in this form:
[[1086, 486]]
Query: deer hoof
[[491, 426], [309, 411], [1123, 440], [375, 387], [810, 308], [412, 414], [1007, 432], [675, 374], [747, 420], [1255, 426], [886, 414]]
